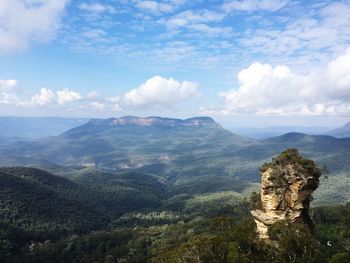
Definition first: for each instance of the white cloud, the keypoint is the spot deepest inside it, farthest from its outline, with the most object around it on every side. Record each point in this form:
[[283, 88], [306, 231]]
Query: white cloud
[[97, 8], [25, 21], [264, 89], [66, 95], [204, 28], [115, 99], [97, 105], [92, 95], [45, 97], [192, 17], [8, 88], [159, 91], [8, 84], [49, 97], [254, 5], [158, 7], [174, 51], [311, 37]]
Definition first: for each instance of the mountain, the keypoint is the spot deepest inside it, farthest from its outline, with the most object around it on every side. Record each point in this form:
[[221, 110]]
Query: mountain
[[195, 153], [156, 121], [273, 131], [342, 132], [36, 127], [163, 146], [323, 149]]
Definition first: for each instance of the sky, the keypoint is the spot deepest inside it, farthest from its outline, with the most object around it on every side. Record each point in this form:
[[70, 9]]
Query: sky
[[250, 63]]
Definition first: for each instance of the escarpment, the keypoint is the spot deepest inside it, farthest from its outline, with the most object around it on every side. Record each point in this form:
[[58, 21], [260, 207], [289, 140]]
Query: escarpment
[[286, 187]]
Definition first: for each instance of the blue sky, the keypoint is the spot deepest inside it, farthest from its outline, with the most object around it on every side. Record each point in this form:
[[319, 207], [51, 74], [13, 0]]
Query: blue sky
[[243, 62]]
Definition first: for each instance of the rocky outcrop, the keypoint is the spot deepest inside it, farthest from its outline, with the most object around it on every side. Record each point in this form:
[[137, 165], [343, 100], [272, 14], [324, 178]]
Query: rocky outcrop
[[157, 121], [286, 187]]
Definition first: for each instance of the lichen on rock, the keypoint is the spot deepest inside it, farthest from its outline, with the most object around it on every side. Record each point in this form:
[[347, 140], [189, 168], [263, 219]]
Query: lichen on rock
[[286, 187]]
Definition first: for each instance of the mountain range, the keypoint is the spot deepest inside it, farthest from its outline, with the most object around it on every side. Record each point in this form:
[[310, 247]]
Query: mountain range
[[172, 148], [273, 131], [342, 132]]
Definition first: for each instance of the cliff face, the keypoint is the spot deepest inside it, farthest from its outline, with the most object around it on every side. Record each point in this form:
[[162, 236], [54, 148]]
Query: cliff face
[[286, 187], [157, 121]]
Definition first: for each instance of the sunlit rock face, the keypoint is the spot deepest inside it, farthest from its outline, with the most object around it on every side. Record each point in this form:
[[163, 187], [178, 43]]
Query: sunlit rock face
[[156, 121], [286, 187]]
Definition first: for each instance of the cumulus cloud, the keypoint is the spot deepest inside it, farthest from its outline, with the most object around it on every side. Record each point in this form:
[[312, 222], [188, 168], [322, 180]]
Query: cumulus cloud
[[45, 97], [8, 88], [93, 95], [66, 95], [26, 21], [159, 91], [8, 84], [49, 97], [254, 5], [265, 89], [96, 105]]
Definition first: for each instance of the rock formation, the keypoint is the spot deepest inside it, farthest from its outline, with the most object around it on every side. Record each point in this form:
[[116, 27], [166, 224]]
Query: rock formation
[[286, 187], [156, 121]]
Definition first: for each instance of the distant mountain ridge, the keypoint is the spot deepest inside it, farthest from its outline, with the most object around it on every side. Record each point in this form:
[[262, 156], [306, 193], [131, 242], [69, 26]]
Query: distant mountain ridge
[[274, 131], [162, 146], [171, 148], [156, 121], [342, 132]]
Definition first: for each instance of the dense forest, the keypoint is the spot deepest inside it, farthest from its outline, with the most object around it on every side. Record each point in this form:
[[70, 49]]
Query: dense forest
[[103, 217]]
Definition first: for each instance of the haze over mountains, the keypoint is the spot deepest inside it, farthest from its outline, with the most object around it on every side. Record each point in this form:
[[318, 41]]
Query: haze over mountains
[[342, 132], [14, 128], [171, 148], [273, 131], [195, 155], [28, 128]]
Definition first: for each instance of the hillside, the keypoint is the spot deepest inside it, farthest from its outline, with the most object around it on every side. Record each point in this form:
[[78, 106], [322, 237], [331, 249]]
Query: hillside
[[326, 150], [342, 132], [34, 200], [274, 131]]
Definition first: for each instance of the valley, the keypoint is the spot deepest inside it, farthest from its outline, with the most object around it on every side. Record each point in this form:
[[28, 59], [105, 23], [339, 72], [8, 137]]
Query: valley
[[144, 188]]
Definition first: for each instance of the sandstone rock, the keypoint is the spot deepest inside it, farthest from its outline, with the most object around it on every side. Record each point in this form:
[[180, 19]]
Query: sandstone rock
[[286, 187]]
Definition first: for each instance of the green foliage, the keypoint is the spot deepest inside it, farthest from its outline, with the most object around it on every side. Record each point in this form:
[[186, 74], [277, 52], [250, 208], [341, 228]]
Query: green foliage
[[204, 248], [332, 226], [294, 243], [291, 156], [255, 201], [333, 190], [99, 216], [302, 166], [34, 200], [342, 257]]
